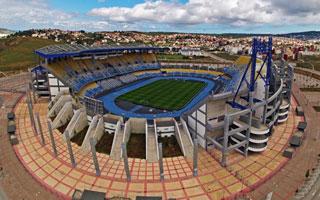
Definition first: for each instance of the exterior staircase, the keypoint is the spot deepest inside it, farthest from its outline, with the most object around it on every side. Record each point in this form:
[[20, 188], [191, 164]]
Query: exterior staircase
[[152, 153], [187, 144], [116, 145]]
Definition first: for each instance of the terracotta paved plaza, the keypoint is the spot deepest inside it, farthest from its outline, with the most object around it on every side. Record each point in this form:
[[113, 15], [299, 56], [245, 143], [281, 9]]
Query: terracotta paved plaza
[[213, 182]]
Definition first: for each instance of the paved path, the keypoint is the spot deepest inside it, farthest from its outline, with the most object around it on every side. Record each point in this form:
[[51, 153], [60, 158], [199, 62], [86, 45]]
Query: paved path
[[314, 193], [3, 195], [16, 183]]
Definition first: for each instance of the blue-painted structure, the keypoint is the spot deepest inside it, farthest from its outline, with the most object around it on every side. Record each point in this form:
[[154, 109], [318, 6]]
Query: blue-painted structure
[[39, 69], [62, 51], [262, 47]]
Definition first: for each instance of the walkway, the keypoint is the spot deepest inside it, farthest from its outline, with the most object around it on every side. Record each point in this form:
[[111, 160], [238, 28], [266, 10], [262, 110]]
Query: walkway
[[292, 175], [152, 155]]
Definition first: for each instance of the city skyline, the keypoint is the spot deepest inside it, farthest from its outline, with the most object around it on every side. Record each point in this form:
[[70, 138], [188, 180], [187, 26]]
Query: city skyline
[[190, 16]]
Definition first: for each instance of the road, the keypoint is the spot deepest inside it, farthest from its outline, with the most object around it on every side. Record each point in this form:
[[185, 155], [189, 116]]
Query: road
[[3, 195]]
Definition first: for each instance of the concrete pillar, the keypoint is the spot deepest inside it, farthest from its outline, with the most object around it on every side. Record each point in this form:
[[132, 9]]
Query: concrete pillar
[[31, 113], [93, 143], [29, 95], [73, 162], [225, 141], [161, 162], [264, 118], [251, 104], [248, 132], [33, 93], [195, 157], [126, 162], [53, 144]]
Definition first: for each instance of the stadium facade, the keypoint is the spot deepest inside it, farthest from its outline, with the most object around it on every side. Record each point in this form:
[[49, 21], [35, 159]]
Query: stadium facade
[[236, 110]]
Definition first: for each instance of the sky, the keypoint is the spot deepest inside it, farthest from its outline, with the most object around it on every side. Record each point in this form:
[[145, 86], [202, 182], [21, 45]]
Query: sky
[[196, 16]]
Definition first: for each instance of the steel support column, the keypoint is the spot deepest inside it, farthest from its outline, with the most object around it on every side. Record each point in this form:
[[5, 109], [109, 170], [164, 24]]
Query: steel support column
[[93, 143], [73, 162], [53, 144]]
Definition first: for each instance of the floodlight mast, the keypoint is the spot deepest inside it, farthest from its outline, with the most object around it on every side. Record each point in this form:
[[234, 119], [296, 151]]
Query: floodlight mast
[[259, 47]]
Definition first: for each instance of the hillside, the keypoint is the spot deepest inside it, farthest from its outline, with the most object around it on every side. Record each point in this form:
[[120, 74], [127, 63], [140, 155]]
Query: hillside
[[307, 35], [18, 53]]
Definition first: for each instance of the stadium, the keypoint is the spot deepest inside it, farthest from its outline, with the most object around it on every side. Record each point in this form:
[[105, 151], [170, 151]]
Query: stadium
[[125, 125]]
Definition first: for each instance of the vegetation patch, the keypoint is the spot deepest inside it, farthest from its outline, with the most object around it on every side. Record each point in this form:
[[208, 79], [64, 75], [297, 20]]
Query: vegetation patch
[[137, 146], [227, 56], [309, 62], [17, 53], [316, 108], [178, 58], [170, 146], [105, 143], [79, 137], [311, 89]]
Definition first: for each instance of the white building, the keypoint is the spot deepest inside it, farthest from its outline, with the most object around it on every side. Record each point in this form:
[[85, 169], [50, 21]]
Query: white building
[[191, 52]]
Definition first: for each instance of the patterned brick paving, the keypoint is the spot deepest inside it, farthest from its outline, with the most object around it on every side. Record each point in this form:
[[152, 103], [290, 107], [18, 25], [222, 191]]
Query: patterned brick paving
[[213, 182]]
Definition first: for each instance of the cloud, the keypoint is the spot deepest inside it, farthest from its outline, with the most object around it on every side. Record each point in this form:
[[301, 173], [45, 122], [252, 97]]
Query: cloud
[[161, 15], [29, 12], [21, 14], [297, 7], [221, 12]]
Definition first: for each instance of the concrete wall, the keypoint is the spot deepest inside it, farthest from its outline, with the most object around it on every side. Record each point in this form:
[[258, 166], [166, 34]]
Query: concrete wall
[[137, 125], [77, 123], [197, 124], [55, 86], [64, 115]]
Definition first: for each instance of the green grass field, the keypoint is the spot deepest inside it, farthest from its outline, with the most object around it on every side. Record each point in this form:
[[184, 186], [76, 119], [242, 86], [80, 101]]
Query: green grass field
[[165, 94]]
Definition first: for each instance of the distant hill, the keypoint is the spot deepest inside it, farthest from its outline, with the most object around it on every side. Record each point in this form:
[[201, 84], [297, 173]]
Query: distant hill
[[308, 35], [18, 52]]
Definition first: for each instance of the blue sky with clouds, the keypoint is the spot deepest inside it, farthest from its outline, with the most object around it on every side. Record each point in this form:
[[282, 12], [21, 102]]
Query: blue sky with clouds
[[208, 16]]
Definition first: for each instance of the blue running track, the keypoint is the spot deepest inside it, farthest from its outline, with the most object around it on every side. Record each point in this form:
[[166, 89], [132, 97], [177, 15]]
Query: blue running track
[[109, 99]]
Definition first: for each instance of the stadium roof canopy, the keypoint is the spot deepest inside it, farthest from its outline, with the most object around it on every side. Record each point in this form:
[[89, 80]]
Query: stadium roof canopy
[[68, 50]]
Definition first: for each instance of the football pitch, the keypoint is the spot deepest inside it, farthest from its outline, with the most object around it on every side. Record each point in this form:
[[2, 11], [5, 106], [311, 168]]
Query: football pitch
[[165, 94]]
